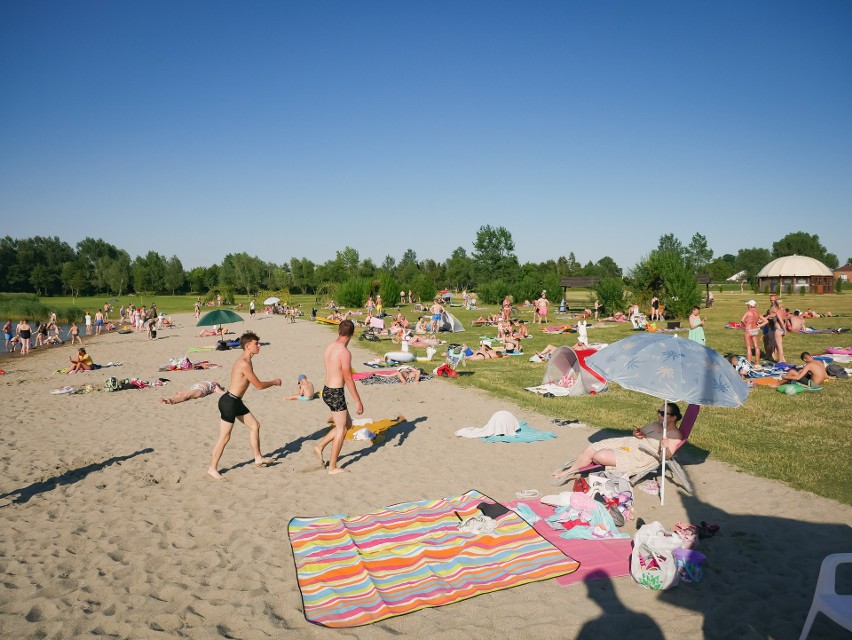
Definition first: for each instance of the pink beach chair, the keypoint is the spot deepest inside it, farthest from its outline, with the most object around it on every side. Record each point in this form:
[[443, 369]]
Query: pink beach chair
[[678, 474]]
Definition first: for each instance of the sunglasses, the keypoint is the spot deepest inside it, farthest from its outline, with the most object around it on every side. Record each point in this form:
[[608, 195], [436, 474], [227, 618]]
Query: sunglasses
[[662, 413]]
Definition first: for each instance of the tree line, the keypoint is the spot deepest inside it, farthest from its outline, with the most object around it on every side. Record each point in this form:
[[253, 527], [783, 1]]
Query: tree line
[[50, 266]]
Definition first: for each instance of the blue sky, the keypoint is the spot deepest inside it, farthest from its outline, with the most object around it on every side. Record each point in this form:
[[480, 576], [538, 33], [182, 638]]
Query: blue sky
[[294, 129]]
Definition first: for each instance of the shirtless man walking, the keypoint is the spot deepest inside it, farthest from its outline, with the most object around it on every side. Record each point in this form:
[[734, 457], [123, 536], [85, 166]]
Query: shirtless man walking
[[752, 321], [813, 371], [231, 405], [436, 310], [338, 372]]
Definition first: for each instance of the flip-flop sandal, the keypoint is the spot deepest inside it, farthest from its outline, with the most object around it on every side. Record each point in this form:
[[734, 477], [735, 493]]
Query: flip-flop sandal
[[707, 530], [558, 482], [527, 494]]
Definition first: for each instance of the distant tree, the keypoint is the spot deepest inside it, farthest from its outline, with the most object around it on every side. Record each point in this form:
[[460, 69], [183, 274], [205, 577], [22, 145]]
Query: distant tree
[[41, 278], [424, 288], [303, 273], [351, 260], [720, 269], [610, 294], [667, 274], [368, 268], [118, 273], [573, 267], [195, 278], [804, 244], [46, 253], [278, 277], [174, 275], [242, 271], [388, 264], [493, 254], [669, 242], [407, 269], [752, 261], [97, 255], [730, 259], [608, 267], [698, 253], [148, 273], [459, 268], [434, 270], [75, 277]]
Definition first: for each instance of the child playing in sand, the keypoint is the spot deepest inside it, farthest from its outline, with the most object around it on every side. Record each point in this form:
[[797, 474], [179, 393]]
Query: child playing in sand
[[306, 389]]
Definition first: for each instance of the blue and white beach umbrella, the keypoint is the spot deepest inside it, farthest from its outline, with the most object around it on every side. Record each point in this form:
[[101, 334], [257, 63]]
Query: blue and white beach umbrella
[[672, 369]]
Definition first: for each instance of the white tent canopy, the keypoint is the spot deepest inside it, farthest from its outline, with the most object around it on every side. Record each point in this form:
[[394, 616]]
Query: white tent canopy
[[738, 276], [450, 323]]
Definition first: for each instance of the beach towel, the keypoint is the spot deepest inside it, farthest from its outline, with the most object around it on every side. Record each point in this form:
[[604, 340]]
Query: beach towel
[[354, 571], [95, 367], [550, 390], [525, 434], [375, 426], [502, 423], [600, 558]]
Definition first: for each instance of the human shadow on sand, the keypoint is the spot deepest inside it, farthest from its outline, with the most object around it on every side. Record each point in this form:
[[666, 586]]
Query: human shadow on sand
[[616, 620], [69, 477], [401, 430], [761, 571]]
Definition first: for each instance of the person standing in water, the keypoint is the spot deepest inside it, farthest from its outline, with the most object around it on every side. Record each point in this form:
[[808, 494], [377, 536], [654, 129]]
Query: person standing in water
[[338, 372]]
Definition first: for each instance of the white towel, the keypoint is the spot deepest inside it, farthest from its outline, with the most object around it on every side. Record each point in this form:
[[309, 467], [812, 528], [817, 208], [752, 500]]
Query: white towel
[[502, 423]]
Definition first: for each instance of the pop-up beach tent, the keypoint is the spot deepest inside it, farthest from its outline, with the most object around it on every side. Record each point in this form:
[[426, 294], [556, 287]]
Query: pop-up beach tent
[[449, 322], [567, 369]]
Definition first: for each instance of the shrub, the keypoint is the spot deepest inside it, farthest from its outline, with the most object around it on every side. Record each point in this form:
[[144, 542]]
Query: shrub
[[838, 285], [789, 288], [389, 289], [492, 292], [802, 290], [610, 293], [353, 292], [423, 288]]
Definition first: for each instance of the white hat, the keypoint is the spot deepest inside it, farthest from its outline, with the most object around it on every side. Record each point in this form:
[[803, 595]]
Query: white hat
[[751, 303]]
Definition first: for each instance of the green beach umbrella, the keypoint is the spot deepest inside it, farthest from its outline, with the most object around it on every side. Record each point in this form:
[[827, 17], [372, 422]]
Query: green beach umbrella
[[219, 316]]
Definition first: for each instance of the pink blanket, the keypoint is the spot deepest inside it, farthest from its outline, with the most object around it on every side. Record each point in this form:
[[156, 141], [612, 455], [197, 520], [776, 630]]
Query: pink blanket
[[608, 558]]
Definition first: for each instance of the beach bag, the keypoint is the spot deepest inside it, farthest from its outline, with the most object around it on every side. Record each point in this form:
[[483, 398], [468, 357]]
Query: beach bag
[[652, 563], [112, 384], [836, 371]]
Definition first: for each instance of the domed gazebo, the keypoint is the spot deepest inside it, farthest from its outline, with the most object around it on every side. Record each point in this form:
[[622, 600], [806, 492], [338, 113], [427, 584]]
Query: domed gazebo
[[796, 272]]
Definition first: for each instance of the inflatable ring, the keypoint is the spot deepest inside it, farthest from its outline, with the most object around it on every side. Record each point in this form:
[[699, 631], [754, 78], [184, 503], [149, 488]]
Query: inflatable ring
[[400, 356]]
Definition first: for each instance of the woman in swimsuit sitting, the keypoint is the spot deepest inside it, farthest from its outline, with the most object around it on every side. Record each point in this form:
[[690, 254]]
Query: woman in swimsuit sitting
[[83, 362]]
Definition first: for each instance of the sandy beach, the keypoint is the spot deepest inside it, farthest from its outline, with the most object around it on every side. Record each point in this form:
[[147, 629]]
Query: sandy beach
[[112, 527]]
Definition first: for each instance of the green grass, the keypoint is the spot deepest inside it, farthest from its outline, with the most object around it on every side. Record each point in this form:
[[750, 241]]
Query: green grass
[[801, 440]]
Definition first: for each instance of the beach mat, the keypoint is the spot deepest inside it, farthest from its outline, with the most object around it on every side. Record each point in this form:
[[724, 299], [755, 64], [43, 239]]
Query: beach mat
[[603, 558], [354, 571], [525, 434]]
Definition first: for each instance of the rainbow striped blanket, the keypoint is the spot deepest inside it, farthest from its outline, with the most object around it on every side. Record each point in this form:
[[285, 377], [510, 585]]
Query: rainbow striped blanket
[[359, 570]]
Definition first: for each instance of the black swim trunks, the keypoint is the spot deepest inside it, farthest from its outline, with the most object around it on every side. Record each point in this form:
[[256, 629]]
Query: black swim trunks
[[334, 398], [231, 407]]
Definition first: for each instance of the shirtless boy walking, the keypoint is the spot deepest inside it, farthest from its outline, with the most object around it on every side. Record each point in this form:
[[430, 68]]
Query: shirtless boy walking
[[338, 372], [231, 405]]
